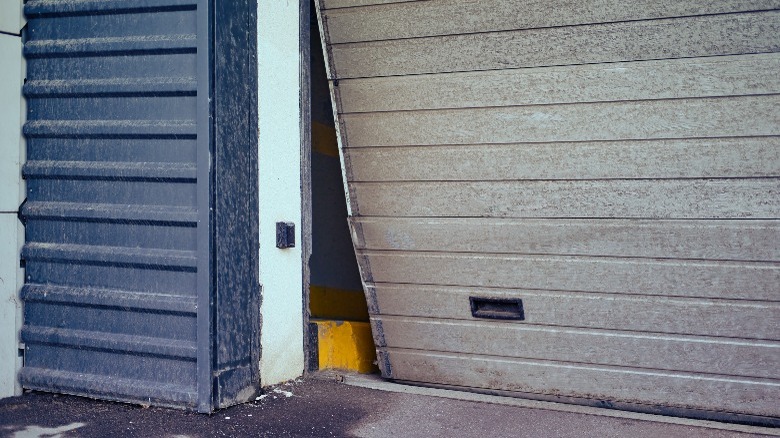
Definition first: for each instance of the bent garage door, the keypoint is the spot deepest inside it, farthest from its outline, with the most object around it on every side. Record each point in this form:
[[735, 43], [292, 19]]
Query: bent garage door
[[141, 216], [568, 201]]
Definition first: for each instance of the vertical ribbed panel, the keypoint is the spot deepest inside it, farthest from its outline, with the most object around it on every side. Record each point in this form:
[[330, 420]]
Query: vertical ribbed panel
[[112, 253]]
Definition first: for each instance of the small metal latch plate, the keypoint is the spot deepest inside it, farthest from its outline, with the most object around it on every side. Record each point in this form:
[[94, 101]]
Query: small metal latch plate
[[285, 235]]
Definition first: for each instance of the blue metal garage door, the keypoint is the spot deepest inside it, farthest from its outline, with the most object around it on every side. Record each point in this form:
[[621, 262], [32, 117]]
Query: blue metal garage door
[[141, 216]]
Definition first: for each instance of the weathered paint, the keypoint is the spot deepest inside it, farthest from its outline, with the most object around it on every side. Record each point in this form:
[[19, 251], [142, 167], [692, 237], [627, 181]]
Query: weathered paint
[[402, 19], [717, 317], [345, 345], [688, 353], [742, 198], [603, 121], [751, 396], [11, 18], [681, 239], [9, 305], [619, 81], [11, 195], [141, 253], [78, 151], [615, 168], [620, 275], [598, 43], [279, 155], [10, 123], [352, 3], [745, 157]]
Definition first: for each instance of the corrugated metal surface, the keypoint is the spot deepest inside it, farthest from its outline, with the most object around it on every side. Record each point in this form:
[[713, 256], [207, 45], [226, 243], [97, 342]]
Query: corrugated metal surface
[[122, 283], [613, 166], [112, 208]]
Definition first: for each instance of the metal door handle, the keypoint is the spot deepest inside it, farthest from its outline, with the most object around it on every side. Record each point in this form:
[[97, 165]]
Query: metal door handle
[[497, 308]]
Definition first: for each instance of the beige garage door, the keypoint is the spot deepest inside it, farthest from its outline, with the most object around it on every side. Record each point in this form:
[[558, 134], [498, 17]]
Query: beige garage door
[[568, 199]]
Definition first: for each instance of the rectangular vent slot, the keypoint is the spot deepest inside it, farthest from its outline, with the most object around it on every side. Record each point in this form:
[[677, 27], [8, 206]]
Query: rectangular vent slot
[[497, 308]]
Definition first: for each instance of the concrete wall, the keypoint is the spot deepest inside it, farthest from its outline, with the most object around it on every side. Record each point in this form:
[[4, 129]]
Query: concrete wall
[[279, 58], [11, 19], [11, 192]]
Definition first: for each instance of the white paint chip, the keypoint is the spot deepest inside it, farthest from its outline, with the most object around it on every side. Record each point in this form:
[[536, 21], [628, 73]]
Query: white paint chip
[[286, 393], [38, 431]]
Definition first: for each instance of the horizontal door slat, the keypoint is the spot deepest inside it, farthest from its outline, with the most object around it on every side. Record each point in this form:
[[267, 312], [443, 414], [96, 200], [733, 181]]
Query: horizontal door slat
[[670, 199], [660, 119], [36, 8], [651, 314], [135, 321], [643, 80], [333, 4], [688, 158], [96, 297], [170, 129], [430, 18], [709, 240], [126, 389], [735, 280], [152, 258], [688, 37], [115, 87], [111, 46], [77, 211], [114, 342], [647, 351], [751, 396], [102, 170], [83, 272]]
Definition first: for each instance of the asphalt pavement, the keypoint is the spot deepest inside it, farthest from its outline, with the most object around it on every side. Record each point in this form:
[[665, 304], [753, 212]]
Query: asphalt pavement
[[346, 406]]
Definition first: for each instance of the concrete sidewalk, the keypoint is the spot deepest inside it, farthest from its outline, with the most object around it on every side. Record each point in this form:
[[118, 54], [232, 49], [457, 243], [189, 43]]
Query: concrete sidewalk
[[360, 406]]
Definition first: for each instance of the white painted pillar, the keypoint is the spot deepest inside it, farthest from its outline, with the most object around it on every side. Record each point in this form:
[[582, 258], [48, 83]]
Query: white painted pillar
[[11, 20], [11, 193], [279, 58]]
